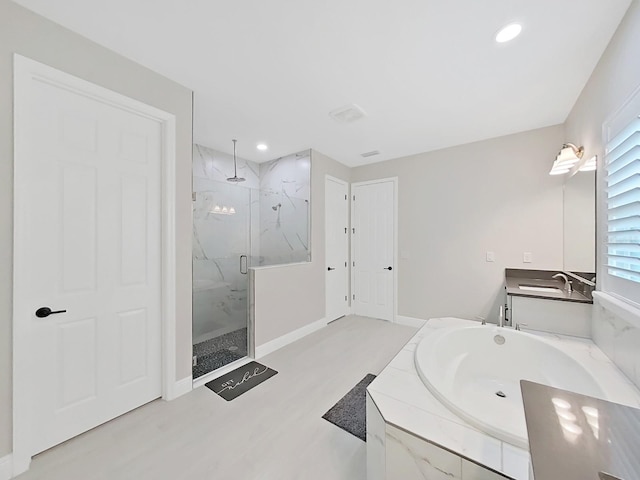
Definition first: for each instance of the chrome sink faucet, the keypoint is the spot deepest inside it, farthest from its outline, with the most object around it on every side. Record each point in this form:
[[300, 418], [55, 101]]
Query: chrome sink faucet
[[567, 283], [501, 316]]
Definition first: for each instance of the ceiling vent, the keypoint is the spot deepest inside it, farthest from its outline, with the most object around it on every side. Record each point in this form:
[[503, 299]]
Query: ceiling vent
[[347, 114], [372, 153]]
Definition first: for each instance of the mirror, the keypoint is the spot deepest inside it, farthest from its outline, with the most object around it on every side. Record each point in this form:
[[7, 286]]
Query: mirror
[[579, 222]]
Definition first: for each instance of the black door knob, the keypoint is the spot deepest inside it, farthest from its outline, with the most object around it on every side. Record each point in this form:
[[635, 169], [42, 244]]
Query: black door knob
[[44, 312], [387, 268], [330, 268]]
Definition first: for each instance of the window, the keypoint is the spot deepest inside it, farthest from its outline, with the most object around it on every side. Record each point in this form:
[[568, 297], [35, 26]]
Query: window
[[622, 241], [623, 203]]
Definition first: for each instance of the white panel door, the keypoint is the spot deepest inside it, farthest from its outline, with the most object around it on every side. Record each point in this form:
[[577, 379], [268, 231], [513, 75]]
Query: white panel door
[[88, 176], [373, 249], [336, 248]]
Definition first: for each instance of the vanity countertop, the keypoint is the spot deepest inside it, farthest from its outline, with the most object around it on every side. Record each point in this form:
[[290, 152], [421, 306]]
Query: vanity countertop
[[540, 278], [573, 436]]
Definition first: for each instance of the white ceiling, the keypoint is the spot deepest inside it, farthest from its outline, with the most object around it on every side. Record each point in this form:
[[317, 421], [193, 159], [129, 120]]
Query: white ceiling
[[428, 73]]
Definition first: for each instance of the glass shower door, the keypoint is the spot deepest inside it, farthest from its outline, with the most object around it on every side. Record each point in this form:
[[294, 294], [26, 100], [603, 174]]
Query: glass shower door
[[221, 249]]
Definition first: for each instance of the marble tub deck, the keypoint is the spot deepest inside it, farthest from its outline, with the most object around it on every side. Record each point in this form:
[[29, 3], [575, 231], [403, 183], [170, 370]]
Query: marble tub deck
[[442, 444]]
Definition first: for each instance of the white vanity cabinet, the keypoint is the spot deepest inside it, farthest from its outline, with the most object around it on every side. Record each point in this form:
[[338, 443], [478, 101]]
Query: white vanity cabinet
[[554, 316]]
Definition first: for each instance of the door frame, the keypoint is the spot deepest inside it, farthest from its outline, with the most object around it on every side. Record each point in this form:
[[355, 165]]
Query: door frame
[[25, 71], [394, 180], [347, 308]]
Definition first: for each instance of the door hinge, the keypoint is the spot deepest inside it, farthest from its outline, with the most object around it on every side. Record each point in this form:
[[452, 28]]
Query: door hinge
[[195, 361], [345, 298], [345, 229], [353, 230], [193, 196], [354, 264], [345, 264], [354, 296], [354, 198], [345, 197]]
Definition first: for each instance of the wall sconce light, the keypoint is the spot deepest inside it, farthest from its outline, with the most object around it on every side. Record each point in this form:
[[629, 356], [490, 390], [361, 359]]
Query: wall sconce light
[[566, 159]]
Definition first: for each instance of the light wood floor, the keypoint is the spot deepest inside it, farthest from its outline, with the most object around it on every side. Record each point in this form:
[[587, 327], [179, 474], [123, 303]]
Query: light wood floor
[[274, 431]]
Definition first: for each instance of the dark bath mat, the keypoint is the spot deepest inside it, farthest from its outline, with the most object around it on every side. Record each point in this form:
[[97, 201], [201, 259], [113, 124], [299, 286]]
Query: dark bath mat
[[350, 413], [240, 380]]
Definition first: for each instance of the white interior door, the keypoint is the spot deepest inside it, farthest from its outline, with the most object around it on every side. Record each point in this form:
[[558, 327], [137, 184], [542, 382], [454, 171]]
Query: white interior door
[[373, 253], [88, 243], [336, 248]]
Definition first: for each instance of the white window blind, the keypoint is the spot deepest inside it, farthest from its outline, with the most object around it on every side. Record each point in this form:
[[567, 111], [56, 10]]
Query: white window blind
[[623, 202]]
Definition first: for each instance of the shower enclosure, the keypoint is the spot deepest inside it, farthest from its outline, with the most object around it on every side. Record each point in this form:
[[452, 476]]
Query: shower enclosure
[[221, 261], [244, 215]]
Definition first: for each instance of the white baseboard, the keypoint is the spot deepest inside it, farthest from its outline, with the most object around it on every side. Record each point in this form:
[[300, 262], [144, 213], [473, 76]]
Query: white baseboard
[[277, 343], [6, 467], [410, 321], [179, 388]]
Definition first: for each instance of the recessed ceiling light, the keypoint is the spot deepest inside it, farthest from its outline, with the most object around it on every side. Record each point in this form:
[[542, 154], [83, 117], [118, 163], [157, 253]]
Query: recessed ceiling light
[[262, 147], [508, 33]]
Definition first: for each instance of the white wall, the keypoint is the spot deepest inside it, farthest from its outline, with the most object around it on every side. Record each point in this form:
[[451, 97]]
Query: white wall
[[458, 203], [614, 79], [28, 34], [292, 296]]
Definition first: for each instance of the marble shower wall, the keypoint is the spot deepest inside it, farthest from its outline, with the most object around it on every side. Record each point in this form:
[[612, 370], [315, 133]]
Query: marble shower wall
[[218, 166], [285, 193]]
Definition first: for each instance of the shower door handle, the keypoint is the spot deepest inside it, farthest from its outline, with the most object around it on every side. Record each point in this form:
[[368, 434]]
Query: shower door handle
[[244, 270]]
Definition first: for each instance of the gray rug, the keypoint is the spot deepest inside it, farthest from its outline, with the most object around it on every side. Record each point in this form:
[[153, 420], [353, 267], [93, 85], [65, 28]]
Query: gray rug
[[350, 413], [240, 380]]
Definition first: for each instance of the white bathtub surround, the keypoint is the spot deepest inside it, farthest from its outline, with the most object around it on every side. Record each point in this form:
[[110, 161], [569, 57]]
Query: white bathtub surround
[[405, 403], [475, 371], [376, 431], [616, 330]]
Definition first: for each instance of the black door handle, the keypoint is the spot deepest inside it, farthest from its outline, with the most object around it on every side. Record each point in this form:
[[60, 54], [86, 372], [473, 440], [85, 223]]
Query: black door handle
[[387, 268], [44, 312], [330, 268]]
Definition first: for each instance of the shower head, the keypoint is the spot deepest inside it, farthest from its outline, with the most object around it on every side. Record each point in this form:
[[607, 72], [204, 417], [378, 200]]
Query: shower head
[[235, 178], [276, 207]]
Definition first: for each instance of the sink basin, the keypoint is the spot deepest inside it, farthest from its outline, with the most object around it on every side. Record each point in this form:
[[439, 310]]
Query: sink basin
[[535, 288]]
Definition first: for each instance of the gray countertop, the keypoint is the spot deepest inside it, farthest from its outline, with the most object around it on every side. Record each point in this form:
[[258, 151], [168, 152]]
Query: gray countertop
[[540, 278], [573, 436]]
